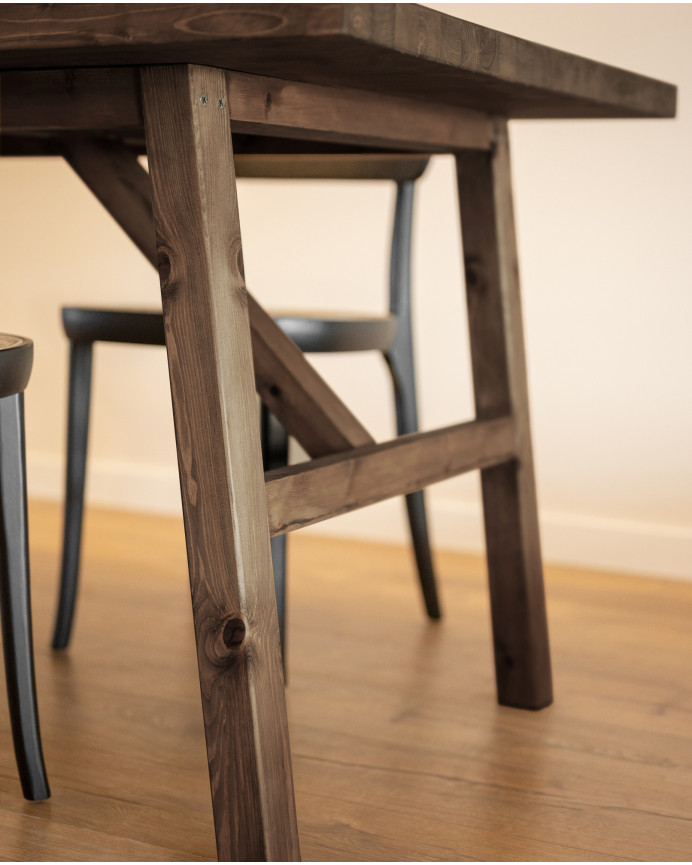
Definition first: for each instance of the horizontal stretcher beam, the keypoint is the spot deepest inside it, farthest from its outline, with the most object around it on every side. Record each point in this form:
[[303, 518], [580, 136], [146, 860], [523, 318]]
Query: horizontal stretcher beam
[[308, 493]]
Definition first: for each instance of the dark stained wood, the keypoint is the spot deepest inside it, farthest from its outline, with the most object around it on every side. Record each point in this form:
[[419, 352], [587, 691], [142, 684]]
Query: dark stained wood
[[333, 166], [80, 34], [522, 655], [402, 49], [107, 101], [222, 483], [120, 183], [477, 67], [297, 394], [293, 109], [285, 379], [28, 145], [308, 493], [74, 100]]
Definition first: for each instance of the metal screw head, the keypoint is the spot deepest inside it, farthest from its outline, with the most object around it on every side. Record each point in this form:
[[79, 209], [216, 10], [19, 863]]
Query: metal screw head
[[204, 100], [222, 102]]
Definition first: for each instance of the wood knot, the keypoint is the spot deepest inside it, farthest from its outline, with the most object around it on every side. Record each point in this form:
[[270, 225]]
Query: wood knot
[[233, 633], [488, 49], [473, 273], [164, 265]]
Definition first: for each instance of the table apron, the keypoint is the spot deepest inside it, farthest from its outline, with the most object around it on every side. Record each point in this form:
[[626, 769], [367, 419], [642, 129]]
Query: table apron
[[108, 101]]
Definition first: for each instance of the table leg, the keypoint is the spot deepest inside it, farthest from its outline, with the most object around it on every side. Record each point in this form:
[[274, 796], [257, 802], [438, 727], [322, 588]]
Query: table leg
[[520, 631], [217, 431]]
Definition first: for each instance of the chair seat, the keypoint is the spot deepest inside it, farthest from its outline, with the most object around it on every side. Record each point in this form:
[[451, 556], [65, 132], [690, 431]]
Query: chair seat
[[333, 333], [310, 333], [16, 359], [83, 324]]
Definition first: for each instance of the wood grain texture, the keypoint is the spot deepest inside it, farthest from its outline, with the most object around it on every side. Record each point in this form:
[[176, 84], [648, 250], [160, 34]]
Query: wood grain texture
[[307, 493], [401, 49], [120, 183], [522, 653], [107, 101], [481, 68], [222, 482], [348, 116], [287, 382], [400, 750], [75, 100], [331, 166], [297, 394]]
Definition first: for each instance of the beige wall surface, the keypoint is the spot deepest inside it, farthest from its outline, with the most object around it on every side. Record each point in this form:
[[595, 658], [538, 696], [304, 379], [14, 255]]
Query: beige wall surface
[[604, 214]]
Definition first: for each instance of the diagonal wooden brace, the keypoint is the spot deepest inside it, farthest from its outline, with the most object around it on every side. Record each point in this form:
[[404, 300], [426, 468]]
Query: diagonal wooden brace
[[289, 385]]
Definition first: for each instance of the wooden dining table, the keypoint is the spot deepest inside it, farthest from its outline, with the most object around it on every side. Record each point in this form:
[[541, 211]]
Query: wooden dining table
[[188, 85]]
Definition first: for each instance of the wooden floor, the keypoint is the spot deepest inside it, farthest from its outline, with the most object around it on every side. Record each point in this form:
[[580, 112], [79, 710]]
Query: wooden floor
[[399, 750]]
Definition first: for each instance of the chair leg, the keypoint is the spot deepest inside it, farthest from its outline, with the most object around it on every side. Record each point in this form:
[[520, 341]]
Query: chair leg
[[77, 437], [401, 367], [274, 456], [15, 602], [400, 361]]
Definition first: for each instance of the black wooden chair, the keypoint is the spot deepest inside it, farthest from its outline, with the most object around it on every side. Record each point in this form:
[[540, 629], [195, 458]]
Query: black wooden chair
[[389, 334], [16, 359]]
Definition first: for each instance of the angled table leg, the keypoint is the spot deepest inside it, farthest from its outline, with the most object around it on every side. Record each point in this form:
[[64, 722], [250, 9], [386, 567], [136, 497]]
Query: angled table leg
[[520, 631], [217, 431]]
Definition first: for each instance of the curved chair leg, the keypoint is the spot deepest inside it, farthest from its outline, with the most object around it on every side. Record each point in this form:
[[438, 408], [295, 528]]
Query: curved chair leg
[[275, 455], [400, 361], [15, 601], [401, 369], [77, 437]]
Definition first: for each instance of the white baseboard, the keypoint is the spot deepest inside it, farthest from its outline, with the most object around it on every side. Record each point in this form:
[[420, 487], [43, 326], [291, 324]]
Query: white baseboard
[[574, 539], [116, 484], [600, 543]]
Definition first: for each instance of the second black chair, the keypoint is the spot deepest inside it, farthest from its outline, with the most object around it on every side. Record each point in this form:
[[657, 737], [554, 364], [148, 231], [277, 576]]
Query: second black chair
[[391, 335]]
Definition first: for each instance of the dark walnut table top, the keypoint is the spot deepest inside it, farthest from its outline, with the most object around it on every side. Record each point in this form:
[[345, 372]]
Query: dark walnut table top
[[401, 49]]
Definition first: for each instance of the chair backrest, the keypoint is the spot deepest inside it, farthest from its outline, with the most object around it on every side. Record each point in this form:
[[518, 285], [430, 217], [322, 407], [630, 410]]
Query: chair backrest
[[265, 157], [403, 168], [400, 258], [331, 166], [292, 158], [259, 156]]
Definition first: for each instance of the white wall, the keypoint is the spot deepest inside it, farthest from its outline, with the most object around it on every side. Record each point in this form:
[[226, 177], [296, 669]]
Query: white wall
[[604, 221]]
